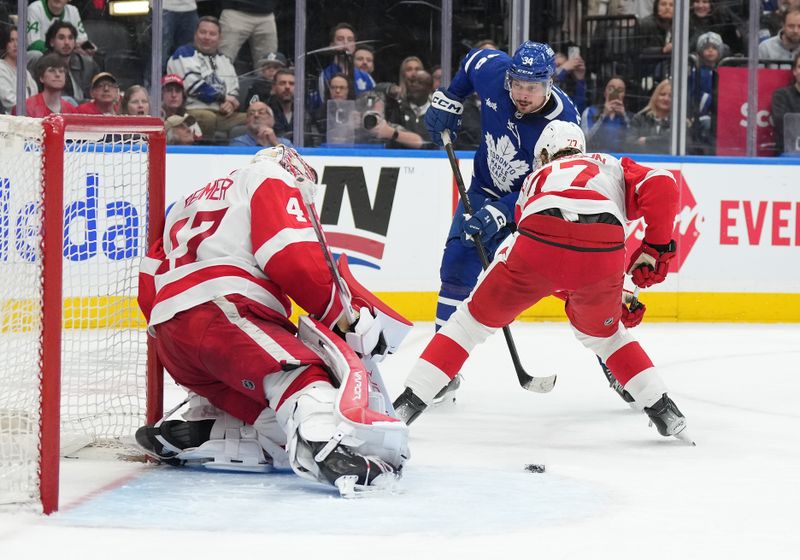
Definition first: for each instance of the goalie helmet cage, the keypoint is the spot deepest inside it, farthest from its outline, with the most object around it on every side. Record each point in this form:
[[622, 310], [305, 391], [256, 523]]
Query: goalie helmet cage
[[81, 200]]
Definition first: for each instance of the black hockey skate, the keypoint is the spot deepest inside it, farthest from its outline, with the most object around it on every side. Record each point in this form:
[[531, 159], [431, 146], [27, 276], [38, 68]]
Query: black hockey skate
[[177, 434], [668, 420], [615, 385], [408, 406], [352, 473]]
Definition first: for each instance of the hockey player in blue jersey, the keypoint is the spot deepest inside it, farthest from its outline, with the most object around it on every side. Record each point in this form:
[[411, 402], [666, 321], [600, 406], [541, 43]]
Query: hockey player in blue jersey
[[518, 99]]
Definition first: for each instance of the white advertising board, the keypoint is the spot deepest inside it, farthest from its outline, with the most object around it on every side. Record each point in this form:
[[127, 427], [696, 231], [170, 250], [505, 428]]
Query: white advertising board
[[738, 226]]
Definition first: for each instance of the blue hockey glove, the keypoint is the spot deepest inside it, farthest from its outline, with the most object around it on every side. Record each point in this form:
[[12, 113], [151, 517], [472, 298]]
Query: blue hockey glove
[[443, 114], [486, 222]]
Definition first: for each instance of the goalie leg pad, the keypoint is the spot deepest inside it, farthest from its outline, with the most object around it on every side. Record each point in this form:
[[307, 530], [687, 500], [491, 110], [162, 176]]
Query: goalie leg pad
[[361, 406]]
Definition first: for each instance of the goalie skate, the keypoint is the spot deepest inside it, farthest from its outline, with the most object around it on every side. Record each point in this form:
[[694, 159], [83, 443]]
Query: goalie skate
[[165, 440], [355, 475]]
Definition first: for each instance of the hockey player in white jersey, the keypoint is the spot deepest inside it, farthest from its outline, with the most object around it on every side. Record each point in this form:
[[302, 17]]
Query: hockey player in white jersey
[[570, 241], [215, 291]]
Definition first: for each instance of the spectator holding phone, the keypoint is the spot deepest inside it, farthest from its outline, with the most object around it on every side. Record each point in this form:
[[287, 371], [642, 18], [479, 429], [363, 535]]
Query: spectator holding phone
[[571, 76], [42, 14], [606, 126]]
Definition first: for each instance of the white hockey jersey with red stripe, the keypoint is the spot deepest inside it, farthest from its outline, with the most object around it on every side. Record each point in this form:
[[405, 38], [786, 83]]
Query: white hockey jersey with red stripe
[[247, 233], [597, 183]]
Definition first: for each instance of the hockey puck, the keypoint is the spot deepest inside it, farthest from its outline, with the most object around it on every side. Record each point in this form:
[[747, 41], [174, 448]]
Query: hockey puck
[[534, 468]]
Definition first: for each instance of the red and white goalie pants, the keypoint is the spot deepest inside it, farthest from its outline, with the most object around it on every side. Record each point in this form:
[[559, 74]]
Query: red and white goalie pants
[[225, 350], [585, 262]]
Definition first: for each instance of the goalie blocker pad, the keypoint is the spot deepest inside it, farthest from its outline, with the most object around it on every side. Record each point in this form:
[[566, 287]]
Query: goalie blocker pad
[[364, 422], [394, 327]]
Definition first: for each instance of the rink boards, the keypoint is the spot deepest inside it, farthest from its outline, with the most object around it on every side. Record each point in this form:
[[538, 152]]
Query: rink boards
[[738, 233], [738, 228]]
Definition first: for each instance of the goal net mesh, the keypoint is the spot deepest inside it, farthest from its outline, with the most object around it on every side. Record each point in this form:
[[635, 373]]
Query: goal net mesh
[[103, 341]]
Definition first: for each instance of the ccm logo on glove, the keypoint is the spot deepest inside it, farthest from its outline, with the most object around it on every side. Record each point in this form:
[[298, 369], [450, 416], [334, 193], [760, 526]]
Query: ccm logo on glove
[[441, 101]]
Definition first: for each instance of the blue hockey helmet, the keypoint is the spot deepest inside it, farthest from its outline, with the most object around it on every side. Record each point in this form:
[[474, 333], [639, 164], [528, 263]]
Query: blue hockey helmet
[[532, 62]]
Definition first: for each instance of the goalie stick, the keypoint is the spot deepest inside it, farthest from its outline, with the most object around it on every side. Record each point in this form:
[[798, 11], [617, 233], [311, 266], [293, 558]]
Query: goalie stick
[[526, 381], [307, 192]]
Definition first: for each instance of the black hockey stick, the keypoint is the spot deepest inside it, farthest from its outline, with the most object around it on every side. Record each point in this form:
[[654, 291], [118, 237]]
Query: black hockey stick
[[526, 381]]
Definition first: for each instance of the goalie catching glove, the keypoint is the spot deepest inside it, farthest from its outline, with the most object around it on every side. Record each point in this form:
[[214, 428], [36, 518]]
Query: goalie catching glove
[[443, 114], [650, 263]]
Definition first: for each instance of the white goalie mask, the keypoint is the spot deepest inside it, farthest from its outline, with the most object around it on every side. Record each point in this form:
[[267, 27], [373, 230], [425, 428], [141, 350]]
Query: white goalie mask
[[558, 136], [289, 159]]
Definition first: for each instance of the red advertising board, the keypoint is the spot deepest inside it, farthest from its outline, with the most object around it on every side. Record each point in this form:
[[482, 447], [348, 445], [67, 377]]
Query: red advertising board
[[732, 110]]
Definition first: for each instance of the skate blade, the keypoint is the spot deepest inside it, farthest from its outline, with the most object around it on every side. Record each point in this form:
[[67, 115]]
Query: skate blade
[[385, 483], [685, 437]]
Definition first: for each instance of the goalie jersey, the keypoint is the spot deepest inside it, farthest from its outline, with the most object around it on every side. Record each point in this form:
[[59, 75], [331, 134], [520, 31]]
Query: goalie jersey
[[505, 154], [247, 233]]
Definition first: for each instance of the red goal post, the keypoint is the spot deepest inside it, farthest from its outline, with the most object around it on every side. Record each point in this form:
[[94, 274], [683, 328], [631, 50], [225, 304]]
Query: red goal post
[[81, 200]]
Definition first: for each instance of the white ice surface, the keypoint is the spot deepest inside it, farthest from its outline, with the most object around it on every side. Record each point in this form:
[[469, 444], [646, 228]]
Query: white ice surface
[[613, 487]]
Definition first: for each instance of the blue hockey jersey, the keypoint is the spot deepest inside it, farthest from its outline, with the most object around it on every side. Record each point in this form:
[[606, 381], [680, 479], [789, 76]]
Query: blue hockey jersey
[[505, 155]]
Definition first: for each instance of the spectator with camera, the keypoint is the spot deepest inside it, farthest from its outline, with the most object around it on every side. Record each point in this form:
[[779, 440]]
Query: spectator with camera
[[260, 128], [375, 130], [605, 126], [412, 108], [786, 100], [209, 79]]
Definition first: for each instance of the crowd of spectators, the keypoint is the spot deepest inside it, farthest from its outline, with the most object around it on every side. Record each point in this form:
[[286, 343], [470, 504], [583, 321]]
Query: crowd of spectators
[[226, 82]]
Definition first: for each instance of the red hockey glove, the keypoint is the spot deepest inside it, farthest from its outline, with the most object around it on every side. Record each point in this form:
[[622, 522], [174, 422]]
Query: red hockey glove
[[632, 316], [649, 263]]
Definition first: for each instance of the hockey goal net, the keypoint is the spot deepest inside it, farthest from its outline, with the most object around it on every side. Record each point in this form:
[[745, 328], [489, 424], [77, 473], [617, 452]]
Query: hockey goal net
[[80, 199]]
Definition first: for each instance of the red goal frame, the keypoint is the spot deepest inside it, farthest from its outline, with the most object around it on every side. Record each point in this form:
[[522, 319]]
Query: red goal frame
[[55, 129]]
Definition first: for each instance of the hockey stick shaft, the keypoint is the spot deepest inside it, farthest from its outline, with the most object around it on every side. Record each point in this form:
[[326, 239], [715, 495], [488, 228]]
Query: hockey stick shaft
[[526, 381], [307, 191]]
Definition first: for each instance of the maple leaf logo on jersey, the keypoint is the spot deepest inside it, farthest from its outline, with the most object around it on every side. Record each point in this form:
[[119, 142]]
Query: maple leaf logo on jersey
[[503, 168]]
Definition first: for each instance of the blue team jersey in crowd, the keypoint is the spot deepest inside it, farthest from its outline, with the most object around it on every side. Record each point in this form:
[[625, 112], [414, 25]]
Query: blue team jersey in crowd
[[505, 154]]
